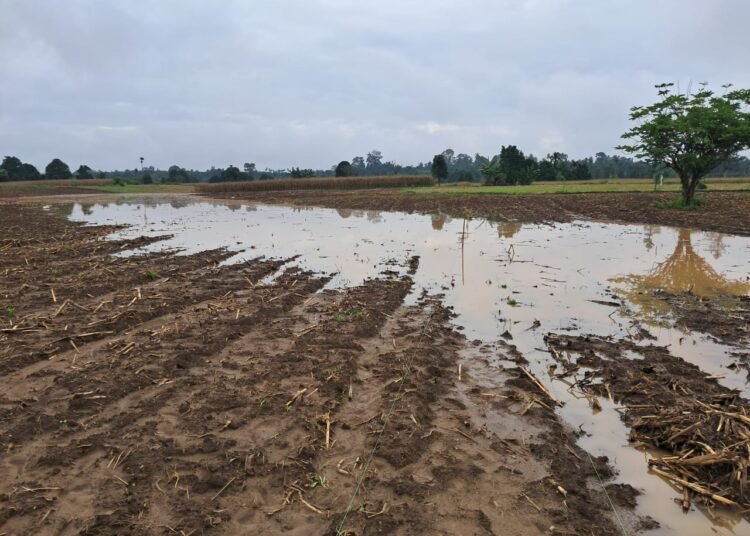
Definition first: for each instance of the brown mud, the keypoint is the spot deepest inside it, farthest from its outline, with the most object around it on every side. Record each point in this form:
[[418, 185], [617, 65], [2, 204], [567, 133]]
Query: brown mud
[[700, 428], [725, 318], [725, 212], [166, 394], [25, 191]]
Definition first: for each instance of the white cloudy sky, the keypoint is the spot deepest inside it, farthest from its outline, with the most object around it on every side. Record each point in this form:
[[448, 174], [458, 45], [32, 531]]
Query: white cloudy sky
[[310, 82]]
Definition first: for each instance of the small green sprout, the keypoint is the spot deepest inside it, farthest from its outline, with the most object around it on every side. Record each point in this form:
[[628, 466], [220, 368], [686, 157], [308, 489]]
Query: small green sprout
[[350, 314], [316, 481]]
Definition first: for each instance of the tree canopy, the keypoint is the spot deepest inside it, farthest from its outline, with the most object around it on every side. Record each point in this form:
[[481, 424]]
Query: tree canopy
[[440, 167], [178, 174], [691, 133], [57, 170], [297, 173], [344, 169], [84, 172], [13, 169]]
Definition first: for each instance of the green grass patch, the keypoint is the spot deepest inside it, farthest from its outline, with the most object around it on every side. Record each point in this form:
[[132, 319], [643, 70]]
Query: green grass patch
[[576, 187], [679, 204]]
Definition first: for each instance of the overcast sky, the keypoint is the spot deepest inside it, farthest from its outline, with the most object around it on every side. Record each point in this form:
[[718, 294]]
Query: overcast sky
[[310, 82]]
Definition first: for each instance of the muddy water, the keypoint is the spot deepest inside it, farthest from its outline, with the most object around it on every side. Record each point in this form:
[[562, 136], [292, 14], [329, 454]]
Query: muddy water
[[506, 279]]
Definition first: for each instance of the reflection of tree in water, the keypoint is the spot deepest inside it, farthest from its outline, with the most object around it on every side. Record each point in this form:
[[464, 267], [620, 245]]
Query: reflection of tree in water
[[178, 203], [374, 216], [716, 247], [648, 235], [87, 209], [344, 212], [63, 210], [439, 221], [686, 271], [683, 271], [508, 229]]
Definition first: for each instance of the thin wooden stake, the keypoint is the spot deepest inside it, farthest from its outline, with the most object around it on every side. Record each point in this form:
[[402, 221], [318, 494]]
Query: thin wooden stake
[[328, 431], [222, 489]]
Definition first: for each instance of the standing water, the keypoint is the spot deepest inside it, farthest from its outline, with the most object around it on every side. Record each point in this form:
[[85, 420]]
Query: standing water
[[498, 277]]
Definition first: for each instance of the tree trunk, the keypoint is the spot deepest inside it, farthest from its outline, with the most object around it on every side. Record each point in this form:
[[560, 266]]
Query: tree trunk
[[689, 184]]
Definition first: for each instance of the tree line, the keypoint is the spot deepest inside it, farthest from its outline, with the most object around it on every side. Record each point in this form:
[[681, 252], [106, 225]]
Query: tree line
[[510, 166], [13, 169]]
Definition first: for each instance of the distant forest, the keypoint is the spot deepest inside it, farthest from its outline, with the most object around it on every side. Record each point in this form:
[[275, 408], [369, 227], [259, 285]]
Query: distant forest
[[510, 166]]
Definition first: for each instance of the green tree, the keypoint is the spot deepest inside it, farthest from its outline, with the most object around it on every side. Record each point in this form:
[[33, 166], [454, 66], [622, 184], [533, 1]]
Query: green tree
[[691, 133], [232, 174], [492, 172], [579, 170], [374, 162], [147, 179], [297, 173], [84, 172], [449, 154], [178, 174], [344, 169], [13, 168], [462, 168], [358, 163], [513, 165], [249, 171], [29, 173], [547, 171], [57, 170], [439, 167], [3, 175]]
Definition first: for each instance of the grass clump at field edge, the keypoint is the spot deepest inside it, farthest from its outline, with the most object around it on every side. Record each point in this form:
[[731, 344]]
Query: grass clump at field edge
[[578, 187]]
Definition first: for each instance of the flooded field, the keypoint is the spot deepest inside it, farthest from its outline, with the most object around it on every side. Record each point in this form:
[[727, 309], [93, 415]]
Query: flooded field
[[506, 282], [469, 340]]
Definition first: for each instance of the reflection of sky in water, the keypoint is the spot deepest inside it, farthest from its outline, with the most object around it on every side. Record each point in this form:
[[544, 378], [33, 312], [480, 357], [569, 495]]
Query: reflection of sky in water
[[552, 272]]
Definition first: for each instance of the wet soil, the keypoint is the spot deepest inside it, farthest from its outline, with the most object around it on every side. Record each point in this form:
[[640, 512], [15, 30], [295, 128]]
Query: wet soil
[[725, 318], [699, 427], [169, 394], [22, 191], [722, 212]]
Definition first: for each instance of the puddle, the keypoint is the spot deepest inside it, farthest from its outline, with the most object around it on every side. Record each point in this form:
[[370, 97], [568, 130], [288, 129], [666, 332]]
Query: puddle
[[520, 281]]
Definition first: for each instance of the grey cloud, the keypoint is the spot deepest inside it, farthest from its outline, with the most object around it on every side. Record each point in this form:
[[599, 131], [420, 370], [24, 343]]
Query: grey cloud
[[308, 83]]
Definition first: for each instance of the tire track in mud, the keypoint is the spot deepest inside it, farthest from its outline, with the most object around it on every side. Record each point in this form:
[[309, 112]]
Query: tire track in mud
[[120, 411], [69, 324]]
